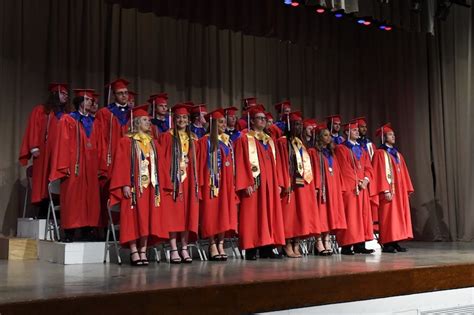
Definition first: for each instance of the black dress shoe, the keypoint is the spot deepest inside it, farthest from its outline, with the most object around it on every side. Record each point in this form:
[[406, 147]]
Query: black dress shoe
[[267, 252], [359, 248], [251, 254], [347, 250], [399, 248], [387, 248]]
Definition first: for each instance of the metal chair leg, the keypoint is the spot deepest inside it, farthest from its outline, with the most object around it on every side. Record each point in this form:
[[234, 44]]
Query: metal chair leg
[[106, 248]]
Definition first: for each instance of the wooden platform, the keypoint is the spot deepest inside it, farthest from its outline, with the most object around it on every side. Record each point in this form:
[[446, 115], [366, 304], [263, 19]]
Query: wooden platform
[[232, 287], [15, 248]]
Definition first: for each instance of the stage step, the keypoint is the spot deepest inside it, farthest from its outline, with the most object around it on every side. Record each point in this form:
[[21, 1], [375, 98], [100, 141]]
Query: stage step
[[71, 253], [14, 248], [31, 228]]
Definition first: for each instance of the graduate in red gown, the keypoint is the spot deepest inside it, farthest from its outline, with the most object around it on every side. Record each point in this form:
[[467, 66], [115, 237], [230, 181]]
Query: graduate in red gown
[[260, 217], [370, 148], [247, 103], [39, 140], [76, 163], [180, 199], [334, 124], [357, 173], [283, 109], [198, 120], [393, 186], [135, 184], [113, 122], [218, 205], [161, 118], [331, 216], [272, 129], [309, 132], [231, 119], [295, 177]]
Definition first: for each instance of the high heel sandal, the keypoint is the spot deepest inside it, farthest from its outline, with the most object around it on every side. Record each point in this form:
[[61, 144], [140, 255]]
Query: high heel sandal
[[175, 260], [323, 252], [144, 261], [223, 256], [135, 263], [215, 257], [327, 244], [188, 259]]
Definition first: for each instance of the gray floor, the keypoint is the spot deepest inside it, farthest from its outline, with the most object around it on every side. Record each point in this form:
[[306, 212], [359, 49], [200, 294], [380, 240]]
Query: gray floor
[[32, 280]]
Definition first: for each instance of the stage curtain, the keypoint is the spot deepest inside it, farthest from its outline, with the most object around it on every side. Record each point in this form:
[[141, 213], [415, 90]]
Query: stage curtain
[[347, 69]]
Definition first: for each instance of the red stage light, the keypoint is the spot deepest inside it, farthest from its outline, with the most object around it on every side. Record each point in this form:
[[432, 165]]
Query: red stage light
[[388, 28], [320, 10], [295, 4], [367, 23]]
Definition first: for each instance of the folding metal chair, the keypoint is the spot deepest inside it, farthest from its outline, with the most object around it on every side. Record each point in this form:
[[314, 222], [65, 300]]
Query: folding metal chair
[[334, 244], [234, 241], [111, 227], [29, 175], [53, 228]]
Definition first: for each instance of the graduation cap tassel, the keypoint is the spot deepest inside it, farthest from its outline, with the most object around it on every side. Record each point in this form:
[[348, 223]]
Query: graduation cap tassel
[[108, 94], [154, 114]]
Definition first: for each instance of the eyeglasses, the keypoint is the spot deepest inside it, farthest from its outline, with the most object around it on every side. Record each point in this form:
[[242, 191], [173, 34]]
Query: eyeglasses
[[260, 118]]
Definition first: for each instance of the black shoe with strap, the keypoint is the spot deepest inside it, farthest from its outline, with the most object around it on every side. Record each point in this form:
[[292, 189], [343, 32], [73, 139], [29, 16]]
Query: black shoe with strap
[[187, 259], [135, 263], [144, 261], [175, 260], [217, 257]]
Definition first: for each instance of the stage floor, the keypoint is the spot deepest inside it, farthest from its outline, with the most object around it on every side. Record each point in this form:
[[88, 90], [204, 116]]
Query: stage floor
[[32, 283]]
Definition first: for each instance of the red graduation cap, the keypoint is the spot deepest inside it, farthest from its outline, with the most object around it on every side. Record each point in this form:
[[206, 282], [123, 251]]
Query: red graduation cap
[[216, 114], [181, 109], [361, 121], [257, 109], [249, 101], [84, 92], [350, 125], [321, 126], [160, 98], [333, 119], [269, 116], [201, 108], [309, 122], [295, 116], [230, 111], [140, 111], [57, 87], [132, 96], [383, 130], [118, 84], [281, 106]]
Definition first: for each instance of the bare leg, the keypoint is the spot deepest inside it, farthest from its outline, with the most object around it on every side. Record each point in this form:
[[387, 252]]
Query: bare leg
[[142, 250], [184, 247], [327, 243], [174, 255], [289, 249], [220, 248], [134, 255], [296, 247]]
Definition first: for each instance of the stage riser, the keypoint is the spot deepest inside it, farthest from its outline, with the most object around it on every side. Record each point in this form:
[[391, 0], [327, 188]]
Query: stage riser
[[31, 228], [18, 248], [71, 253]]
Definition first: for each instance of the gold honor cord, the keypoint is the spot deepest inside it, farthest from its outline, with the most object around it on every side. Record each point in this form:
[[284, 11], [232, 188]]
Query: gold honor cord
[[389, 171], [109, 146]]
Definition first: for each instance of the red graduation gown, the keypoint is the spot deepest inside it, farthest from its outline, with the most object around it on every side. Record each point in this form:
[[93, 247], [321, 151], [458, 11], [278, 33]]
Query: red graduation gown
[[41, 133], [331, 212], [260, 216], [141, 220], [300, 209], [183, 214], [357, 207], [79, 198], [110, 135], [274, 132], [217, 214], [394, 216]]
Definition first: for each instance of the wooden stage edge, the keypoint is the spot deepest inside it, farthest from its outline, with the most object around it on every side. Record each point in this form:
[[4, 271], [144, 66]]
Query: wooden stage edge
[[260, 296]]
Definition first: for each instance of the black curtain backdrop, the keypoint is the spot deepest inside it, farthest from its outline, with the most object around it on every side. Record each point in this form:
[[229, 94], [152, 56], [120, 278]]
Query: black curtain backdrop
[[219, 52]]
